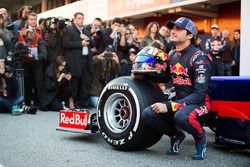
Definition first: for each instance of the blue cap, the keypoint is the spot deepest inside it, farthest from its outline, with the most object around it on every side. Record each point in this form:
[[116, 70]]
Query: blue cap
[[183, 23]]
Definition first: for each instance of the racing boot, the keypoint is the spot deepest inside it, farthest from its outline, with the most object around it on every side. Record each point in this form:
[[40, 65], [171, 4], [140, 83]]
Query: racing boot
[[175, 143], [201, 149]]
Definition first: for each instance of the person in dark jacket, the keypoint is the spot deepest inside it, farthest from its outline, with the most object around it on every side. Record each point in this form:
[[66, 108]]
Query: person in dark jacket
[[54, 38], [23, 14], [8, 24], [8, 90], [115, 36], [76, 42], [105, 69], [95, 29], [33, 66], [10, 101], [5, 39], [215, 46], [57, 86], [236, 53]]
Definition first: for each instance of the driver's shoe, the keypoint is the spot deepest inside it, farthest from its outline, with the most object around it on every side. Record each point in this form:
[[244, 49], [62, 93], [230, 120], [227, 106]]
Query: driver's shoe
[[175, 143], [201, 149]]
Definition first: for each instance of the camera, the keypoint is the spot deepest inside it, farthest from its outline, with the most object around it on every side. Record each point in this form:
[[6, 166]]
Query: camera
[[67, 21], [108, 56], [65, 71], [54, 23], [9, 64], [61, 24], [109, 50], [98, 31], [20, 49], [15, 60]]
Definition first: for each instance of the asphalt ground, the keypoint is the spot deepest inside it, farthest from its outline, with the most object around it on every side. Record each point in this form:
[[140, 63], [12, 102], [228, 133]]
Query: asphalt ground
[[32, 141]]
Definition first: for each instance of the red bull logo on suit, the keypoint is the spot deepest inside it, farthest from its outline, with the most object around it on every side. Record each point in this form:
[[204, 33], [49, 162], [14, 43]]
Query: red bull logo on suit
[[178, 69]]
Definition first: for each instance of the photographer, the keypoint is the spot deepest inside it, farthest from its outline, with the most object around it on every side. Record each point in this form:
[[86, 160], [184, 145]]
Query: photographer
[[106, 67], [31, 24], [33, 66], [23, 14], [95, 27], [77, 44], [8, 24], [54, 38], [115, 36], [95, 30], [5, 39], [57, 86], [9, 99]]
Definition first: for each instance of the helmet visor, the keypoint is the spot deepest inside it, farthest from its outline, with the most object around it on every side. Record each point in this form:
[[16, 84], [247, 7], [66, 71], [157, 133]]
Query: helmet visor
[[144, 59]]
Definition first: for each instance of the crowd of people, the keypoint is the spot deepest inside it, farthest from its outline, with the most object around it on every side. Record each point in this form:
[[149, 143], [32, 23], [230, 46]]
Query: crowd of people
[[67, 63], [225, 53]]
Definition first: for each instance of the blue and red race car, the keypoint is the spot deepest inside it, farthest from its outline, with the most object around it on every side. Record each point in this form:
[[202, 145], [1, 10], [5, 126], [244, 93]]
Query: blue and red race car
[[230, 102], [123, 99]]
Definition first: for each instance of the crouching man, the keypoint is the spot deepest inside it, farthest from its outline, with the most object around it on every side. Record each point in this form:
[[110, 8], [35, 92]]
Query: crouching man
[[190, 71]]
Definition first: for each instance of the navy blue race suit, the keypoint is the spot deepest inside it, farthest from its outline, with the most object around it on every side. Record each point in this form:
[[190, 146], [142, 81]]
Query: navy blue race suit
[[190, 70], [215, 46]]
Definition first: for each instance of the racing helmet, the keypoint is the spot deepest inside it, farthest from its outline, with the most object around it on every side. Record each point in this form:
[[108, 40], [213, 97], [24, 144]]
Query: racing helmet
[[150, 60]]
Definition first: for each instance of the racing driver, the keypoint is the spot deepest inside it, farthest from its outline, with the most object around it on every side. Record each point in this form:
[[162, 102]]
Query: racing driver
[[190, 70]]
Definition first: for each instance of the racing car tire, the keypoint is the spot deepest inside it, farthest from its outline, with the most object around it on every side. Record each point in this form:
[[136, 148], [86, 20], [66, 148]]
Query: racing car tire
[[119, 113]]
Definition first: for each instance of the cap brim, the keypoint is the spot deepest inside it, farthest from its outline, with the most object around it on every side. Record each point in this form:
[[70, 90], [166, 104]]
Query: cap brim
[[170, 24], [215, 27]]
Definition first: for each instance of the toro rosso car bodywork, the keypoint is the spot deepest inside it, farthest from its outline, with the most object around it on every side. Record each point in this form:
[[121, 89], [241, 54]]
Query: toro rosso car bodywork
[[123, 99], [231, 103]]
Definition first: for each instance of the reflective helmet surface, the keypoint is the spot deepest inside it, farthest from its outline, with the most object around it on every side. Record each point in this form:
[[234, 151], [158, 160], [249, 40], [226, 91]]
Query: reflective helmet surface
[[150, 60]]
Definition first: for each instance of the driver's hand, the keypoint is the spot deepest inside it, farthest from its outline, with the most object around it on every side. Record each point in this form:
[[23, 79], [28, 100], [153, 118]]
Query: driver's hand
[[159, 108]]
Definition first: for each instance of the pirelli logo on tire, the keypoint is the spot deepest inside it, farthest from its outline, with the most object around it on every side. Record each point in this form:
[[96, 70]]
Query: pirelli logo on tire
[[118, 87]]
